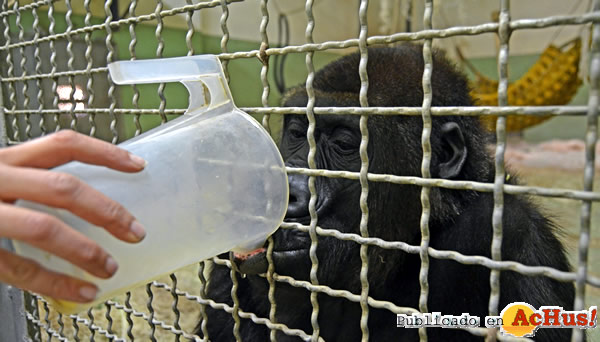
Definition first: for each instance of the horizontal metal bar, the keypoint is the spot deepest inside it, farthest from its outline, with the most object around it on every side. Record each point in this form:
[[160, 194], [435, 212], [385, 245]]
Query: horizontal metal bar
[[453, 184], [146, 317], [96, 111], [382, 304], [592, 17], [117, 23], [222, 306], [435, 111], [54, 75], [27, 7], [451, 255], [51, 332]]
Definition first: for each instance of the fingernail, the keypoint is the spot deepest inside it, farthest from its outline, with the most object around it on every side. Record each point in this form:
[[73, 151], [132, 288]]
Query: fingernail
[[137, 160], [137, 231], [88, 292], [111, 266]]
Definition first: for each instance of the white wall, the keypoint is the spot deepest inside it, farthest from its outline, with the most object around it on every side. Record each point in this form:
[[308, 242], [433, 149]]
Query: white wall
[[474, 12]]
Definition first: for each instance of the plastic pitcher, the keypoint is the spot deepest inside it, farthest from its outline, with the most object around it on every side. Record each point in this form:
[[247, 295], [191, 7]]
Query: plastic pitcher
[[214, 182]]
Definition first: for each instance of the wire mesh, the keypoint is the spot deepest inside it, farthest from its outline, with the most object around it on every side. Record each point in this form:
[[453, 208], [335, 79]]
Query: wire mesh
[[56, 77]]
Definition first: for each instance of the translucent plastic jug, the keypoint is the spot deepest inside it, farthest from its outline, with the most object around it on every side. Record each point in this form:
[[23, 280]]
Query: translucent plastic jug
[[214, 182]]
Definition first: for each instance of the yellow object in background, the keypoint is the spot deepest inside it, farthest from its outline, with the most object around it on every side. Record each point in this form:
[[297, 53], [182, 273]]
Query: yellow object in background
[[552, 80]]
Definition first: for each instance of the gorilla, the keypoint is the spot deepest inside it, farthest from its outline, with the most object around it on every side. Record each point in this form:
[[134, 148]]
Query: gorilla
[[460, 220]]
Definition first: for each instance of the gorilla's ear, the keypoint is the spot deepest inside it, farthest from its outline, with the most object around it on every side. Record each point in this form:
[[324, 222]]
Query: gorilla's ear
[[454, 143]]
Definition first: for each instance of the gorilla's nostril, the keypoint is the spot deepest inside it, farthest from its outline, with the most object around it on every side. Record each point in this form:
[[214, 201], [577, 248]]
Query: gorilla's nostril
[[293, 198]]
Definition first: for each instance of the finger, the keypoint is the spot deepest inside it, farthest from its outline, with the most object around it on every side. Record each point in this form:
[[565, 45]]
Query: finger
[[65, 146], [50, 234], [65, 191], [29, 275]]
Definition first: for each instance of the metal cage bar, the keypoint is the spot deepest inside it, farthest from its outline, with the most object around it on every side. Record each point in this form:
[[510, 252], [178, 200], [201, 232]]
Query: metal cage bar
[[364, 168], [591, 139], [17, 119], [425, 163], [310, 136]]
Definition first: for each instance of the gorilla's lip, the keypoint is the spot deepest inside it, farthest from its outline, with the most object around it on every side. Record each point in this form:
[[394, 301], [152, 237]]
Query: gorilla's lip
[[256, 261]]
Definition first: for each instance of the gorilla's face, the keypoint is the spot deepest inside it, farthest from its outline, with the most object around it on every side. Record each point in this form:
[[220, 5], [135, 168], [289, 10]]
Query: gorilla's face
[[337, 142]]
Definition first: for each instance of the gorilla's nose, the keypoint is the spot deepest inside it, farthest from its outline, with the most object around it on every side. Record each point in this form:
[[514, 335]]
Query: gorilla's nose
[[299, 197]]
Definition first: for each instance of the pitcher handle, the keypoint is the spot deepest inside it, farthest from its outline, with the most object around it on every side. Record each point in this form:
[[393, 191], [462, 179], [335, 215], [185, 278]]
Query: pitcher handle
[[202, 75]]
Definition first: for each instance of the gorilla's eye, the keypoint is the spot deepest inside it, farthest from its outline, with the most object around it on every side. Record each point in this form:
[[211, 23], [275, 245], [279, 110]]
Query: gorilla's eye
[[297, 133], [344, 142]]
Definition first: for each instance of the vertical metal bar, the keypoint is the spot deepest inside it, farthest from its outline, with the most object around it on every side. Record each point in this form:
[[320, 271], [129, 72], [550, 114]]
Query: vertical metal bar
[[364, 168], [88, 57], [75, 328], [92, 331], [128, 316], [47, 320], [500, 176], [233, 272], [3, 133], [225, 37], [159, 54], [136, 92], [272, 283], [61, 324], [70, 60], [54, 66], [310, 136], [425, 164], [190, 32], [12, 93], [234, 297], [174, 305], [591, 137], [3, 128], [109, 58], [504, 35], [203, 316], [109, 320], [24, 73], [265, 122], [151, 311], [38, 70], [265, 61], [188, 41], [34, 330]]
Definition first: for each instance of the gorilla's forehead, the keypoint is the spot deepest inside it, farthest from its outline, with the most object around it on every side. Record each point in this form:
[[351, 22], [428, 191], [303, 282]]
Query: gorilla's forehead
[[297, 97], [331, 120], [326, 121]]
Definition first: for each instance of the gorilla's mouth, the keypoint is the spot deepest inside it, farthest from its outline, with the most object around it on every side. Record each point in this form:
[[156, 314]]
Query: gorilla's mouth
[[289, 247], [255, 262]]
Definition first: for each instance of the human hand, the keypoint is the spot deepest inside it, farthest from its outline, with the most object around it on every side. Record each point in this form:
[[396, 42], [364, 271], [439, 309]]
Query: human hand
[[23, 175]]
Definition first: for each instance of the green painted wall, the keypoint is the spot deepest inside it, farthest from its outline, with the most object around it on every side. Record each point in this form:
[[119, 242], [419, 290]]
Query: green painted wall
[[245, 82]]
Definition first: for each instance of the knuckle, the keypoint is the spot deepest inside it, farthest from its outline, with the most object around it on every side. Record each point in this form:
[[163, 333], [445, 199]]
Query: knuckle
[[65, 138], [59, 286], [114, 214], [91, 254], [41, 227], [24, 270], [64, 185]]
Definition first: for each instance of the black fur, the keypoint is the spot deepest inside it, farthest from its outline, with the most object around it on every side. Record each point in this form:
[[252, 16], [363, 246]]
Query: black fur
[[460, 220]]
